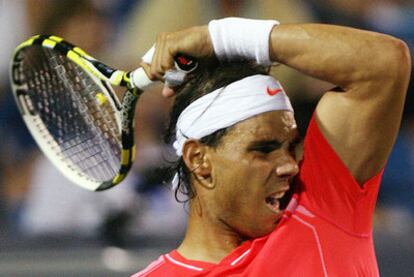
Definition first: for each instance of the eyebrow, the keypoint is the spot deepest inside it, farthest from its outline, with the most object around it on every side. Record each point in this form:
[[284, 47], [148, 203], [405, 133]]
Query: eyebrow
[[274, 142]]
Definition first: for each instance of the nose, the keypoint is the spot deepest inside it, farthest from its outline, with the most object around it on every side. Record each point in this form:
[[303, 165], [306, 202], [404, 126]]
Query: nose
[[288, 167]]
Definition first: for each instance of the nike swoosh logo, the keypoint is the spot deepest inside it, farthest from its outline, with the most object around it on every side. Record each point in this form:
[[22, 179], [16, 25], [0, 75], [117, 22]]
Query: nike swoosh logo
[[272, 92]]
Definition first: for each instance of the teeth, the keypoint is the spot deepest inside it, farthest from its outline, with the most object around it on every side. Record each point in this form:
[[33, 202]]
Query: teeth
[[272, 200], [273, 203], [278, 195]]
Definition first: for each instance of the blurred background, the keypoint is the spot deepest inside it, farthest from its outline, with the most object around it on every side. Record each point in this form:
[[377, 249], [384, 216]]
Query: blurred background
[[49, 227]]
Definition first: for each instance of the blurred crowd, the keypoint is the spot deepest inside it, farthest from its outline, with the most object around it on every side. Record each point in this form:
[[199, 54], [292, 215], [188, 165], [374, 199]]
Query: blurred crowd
[[37, 201]]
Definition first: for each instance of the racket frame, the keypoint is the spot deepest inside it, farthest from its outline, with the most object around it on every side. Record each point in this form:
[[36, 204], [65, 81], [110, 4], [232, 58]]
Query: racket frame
[[104, 76]]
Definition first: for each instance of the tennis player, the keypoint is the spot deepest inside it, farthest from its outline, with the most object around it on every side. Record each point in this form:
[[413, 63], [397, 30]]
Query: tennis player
[[236, 135]]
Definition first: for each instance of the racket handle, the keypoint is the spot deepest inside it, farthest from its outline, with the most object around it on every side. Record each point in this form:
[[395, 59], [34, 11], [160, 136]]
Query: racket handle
[[140, 79], [173, 78]]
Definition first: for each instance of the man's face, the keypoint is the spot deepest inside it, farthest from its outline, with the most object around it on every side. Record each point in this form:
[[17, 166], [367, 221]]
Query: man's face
[[252, 168]]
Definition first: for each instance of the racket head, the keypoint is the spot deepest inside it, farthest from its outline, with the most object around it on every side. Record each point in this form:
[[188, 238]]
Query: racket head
[[68, 105]]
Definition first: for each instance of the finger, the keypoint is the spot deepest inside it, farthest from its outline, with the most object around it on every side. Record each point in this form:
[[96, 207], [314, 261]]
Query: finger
[[147, 70], [167, 55], [155, 59], [162, 64], [163, 60], [167, 91], [151, 76]]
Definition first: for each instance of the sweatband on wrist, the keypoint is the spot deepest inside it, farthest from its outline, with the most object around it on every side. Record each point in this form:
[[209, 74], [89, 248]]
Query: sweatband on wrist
[[241, 39]]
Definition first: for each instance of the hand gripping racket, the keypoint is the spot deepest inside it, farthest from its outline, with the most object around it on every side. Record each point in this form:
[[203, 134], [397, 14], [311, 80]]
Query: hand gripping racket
[[68, 104]]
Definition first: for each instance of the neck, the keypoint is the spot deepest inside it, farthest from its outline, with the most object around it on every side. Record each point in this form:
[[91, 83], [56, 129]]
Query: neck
[[207, 239]]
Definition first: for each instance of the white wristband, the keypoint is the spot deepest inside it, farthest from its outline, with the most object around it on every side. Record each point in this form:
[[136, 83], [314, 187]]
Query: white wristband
[[239, 38]]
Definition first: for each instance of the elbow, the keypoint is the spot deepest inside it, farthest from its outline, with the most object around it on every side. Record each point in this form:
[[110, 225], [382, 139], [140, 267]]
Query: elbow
[[403, 57], [389, 68], [398, 60]]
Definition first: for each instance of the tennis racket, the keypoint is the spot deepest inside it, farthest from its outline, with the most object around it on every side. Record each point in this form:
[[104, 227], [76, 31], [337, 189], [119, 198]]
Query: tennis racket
[[66, 100]]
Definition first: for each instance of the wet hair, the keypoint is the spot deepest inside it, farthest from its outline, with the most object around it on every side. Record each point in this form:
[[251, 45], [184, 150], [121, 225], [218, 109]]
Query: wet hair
[[206, 79]]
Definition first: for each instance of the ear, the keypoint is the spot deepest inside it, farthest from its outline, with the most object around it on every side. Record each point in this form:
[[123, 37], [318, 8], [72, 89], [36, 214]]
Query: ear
[[197, 159]]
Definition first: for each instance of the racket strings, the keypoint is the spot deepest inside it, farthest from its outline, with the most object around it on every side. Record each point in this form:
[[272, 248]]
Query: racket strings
[[82, 132]]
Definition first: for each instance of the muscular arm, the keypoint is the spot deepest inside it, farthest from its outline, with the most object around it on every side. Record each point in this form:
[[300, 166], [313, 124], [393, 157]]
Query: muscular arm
[[372, 69]]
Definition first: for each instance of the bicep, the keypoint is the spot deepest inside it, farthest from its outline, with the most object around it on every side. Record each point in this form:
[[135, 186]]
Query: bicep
[[361, 125]]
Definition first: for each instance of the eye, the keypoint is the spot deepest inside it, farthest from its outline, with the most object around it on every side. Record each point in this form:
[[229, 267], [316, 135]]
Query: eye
[[265, 149]]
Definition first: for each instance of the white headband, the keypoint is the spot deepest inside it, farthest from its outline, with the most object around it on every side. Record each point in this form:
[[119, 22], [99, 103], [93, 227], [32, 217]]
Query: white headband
[[229, 105]]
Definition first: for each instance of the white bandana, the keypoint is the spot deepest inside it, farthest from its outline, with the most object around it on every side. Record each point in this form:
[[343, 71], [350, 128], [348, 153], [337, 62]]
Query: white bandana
[[229, 105]]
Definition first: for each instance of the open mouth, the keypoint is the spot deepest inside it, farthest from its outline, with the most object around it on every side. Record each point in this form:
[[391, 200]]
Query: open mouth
[[273, 204], [273, 201]]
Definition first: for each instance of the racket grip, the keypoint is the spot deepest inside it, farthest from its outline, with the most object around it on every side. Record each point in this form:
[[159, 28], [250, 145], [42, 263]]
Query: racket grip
[[140, 79], [173, 78]]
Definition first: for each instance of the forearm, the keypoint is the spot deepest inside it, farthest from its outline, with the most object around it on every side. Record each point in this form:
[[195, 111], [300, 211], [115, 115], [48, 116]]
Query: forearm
[[343, 56], [340, 55]]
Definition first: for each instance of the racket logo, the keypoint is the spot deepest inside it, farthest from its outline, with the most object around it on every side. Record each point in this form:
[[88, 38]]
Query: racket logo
[[185, 63], [183, 60]]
